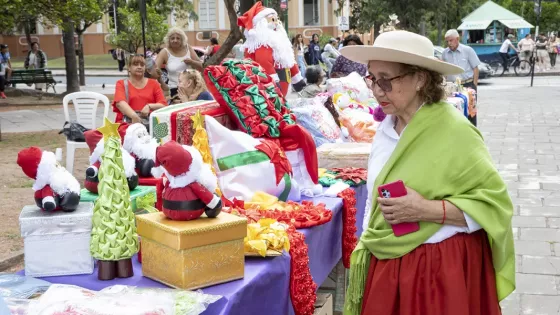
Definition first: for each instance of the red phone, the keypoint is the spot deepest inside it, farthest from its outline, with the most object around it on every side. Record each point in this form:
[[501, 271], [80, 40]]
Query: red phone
[[394, 190]]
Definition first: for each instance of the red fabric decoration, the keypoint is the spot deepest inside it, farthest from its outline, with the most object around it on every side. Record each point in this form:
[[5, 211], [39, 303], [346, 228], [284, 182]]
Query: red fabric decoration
[[349, 239], [277, 157], [357, 175]]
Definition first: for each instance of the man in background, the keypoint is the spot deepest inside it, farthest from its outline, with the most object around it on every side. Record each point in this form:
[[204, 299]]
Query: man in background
[[464, 57], [526, 47]]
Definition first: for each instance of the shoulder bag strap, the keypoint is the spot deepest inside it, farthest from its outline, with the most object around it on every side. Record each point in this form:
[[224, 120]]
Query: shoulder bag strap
[[126, 90]]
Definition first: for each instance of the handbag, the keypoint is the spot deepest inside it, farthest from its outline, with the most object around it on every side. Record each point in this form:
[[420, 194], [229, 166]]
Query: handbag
[[73, 131], [126, 119]]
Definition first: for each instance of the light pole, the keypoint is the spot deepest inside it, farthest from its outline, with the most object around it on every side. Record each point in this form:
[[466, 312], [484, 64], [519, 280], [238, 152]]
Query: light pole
[[538, 10], [143, 16]]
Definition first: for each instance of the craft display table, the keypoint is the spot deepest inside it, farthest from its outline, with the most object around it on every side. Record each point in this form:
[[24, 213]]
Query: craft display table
[[265, 286]]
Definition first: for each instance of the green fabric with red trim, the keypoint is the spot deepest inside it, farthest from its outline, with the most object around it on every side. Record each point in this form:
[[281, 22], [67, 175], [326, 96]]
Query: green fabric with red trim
[[250, 97]]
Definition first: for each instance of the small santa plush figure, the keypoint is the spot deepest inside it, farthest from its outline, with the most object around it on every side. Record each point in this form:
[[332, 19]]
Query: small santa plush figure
[[267, 43], [94, 140], [190, 186], [138, 142], [55, 188]]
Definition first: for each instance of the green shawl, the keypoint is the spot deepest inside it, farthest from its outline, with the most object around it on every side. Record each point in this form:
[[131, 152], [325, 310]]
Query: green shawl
[[441, 156]]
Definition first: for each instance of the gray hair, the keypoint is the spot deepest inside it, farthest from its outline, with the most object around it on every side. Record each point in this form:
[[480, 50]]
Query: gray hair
[[452, 33], [178, 31], [313, 74]]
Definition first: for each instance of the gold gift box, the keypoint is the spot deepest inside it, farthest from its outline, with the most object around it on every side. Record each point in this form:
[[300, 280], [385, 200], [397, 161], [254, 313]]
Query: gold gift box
[[192, 254]]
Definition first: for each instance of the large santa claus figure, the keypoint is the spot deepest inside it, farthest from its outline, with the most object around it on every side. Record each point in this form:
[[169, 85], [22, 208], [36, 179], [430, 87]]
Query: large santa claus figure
[[190, 186], [94, 140], [137, 141], [55, 188], [268, 44]]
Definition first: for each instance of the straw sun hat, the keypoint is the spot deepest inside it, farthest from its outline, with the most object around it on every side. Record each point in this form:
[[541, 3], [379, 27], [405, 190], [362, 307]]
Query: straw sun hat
[[402, 47]]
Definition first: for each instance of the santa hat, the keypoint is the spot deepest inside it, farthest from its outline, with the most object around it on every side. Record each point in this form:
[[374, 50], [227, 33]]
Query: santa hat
[[254, 15], [174, 158], [92, 139], [29, 160]]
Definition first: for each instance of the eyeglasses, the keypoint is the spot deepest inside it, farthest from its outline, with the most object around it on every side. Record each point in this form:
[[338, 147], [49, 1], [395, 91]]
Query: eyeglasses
[[384, 84]]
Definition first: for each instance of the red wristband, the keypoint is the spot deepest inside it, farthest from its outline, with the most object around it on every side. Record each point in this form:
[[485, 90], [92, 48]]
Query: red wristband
[[443, 204]]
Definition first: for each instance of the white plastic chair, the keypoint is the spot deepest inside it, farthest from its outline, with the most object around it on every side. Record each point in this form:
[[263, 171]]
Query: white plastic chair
[[85, 105]]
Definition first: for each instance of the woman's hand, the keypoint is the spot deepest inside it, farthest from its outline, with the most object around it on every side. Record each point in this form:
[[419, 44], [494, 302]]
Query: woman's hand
[[146, 111], [402, 209], [135, 119], [181, 91], [189, 62]]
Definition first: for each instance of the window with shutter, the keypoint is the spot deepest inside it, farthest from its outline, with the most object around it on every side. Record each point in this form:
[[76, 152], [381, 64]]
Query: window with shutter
[[207, 14]]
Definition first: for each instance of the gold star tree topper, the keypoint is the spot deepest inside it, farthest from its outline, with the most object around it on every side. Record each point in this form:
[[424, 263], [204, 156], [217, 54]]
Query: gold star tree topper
[[109, 129]]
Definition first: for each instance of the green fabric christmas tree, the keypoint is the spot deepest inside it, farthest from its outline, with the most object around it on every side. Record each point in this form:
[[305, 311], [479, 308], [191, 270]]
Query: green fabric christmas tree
[[113, 236]]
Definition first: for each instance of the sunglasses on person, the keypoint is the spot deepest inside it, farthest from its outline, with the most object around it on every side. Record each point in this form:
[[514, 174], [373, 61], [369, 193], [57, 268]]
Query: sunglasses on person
[[385, 84]]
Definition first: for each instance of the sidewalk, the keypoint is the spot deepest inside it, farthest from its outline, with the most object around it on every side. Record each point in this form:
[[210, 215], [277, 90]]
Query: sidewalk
[[93, 73]]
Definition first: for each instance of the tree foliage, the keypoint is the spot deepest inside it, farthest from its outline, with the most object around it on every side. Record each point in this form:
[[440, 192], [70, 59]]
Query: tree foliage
[[129, 37]]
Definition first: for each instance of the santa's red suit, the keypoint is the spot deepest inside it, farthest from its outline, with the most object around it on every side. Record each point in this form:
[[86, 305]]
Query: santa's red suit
[[190, 186], [94, 140], [55, 188], [268, 44], [142, 147]]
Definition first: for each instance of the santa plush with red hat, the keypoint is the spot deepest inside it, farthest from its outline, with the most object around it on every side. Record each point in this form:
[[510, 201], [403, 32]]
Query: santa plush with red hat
[[138, 142], [267, 43], [189, 190], [55, 188], [94, 140]]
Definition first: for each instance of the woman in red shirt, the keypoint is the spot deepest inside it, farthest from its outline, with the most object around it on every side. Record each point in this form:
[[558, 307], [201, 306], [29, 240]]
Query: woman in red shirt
[[144, 95], [213, 48]]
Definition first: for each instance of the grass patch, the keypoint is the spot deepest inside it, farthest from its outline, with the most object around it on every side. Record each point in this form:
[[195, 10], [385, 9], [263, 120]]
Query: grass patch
[[91, 62], [47, 140]]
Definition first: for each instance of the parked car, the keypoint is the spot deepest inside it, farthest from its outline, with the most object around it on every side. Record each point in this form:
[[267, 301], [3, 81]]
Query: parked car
[[484, 69]]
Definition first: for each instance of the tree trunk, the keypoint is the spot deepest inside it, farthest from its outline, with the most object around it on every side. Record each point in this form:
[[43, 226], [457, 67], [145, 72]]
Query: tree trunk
[[27, 31], [81, 62], [72, 84], [245, 5], [232, 39]]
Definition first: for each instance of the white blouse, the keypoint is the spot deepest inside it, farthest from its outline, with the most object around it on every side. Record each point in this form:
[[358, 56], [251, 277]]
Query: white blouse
[[384, 143]]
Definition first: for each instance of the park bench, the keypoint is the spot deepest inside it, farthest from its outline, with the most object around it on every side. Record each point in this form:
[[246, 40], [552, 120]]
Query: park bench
[[33, 76]]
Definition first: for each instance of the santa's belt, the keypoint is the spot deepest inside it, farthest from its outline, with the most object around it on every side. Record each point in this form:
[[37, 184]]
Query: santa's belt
[[185, 205], [284, 75]]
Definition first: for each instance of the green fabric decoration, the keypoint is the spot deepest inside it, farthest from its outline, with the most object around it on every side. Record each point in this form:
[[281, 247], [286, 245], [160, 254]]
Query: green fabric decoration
[[224, 93], [443, 157], [138, 192], [287, 187], [146, 203], [273, 126], [113, 234]]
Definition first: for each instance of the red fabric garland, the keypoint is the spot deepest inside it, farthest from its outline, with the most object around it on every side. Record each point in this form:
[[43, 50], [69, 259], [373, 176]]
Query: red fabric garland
[[349, 239], [302, 288]]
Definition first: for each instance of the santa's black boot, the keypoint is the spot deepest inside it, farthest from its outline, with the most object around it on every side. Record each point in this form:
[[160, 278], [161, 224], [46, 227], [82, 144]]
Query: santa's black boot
[[49, 204], [70, 201], [132, 182], [91, 171], [144, 167], [213, 212]]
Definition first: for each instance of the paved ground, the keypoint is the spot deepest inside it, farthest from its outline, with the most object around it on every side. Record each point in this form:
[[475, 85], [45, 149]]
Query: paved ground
[[522, 128]]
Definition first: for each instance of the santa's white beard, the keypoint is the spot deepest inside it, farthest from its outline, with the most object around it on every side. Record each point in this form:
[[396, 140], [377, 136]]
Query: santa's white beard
[[261, 35], [145, 150]]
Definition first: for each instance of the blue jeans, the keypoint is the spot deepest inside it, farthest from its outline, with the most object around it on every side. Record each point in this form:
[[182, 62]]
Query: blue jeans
[[301, 64]]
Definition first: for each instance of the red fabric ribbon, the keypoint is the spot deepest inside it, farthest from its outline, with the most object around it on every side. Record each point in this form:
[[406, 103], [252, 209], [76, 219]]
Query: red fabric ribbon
[[349, 239], [357, 175], [277, 157]]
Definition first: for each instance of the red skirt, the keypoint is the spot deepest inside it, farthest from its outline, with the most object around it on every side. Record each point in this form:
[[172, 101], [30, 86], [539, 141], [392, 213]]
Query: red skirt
[[455, 276]]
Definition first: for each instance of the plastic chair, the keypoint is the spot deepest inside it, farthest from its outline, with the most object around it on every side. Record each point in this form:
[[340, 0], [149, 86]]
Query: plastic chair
[[85, 105]]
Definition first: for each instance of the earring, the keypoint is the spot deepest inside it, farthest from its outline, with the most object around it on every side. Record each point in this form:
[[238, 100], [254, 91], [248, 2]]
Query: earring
[[417, 88]]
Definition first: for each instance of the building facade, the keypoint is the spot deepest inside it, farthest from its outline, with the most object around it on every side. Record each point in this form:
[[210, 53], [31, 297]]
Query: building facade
[[304, 16]]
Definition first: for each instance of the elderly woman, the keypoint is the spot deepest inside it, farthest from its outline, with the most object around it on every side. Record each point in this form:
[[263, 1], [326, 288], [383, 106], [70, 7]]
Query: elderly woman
[[315, 77], [344, 66], [177, 56], [461, 260]]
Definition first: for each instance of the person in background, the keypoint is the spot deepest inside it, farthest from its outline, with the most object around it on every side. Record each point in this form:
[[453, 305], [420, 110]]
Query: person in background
[[120, 58], [315, 77], [213, 48], [238, 50], [464, 57], [36, 59], [525, 47], [144, 95], [177, 56], [2, 82], [6, 62], [299, 48], [344, 66], [314, 51], [153, 72], [504, 50], [542, 53], [553, 50], [330, 53], [192, 88]]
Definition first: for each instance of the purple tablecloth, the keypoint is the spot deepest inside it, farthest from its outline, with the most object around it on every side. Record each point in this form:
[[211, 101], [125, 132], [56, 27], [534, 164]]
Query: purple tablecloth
[[265, 286]]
